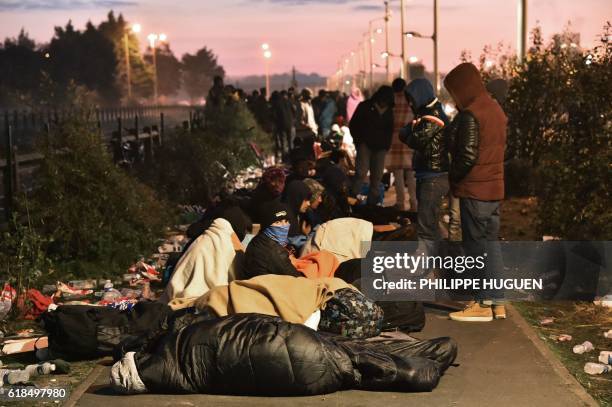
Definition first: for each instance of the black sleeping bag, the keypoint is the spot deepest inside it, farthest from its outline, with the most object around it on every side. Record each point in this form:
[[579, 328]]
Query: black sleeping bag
[[78, 332], [252, 354]]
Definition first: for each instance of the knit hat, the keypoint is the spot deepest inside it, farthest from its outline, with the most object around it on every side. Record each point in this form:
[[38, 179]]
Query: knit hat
[[273, 212], [273, 179]]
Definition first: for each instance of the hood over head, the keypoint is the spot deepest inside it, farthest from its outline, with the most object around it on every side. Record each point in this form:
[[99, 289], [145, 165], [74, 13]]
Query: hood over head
[[464, 83], [420, 93]]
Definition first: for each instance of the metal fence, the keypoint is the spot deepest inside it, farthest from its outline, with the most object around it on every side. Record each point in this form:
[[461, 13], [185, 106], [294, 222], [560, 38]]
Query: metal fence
[[22, 129]]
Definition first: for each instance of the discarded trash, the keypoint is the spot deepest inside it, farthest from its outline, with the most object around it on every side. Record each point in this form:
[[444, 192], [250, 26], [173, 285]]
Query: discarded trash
[[608, 334], [547, 321], [83, 284], [596, 368], [7, 297], [605, 356], [605, 301], [561, 338], [586, 346]]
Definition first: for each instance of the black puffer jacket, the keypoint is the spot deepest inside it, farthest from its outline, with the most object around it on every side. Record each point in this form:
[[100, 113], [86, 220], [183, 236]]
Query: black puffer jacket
[[265, 256], [251, 354], [426, 134]]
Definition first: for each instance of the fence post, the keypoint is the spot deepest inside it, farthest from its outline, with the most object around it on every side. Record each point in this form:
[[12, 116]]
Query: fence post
[[118, 139], [161, 128], [136, 125], [8, 171]]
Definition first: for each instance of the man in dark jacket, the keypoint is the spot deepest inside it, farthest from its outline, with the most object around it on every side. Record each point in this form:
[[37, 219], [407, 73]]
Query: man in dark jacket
[[266, 253], [425, 135], [478, 141], [372, 129]]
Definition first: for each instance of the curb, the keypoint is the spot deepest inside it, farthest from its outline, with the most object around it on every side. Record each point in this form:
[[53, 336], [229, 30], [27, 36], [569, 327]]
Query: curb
[[568, 380], [82, 388]]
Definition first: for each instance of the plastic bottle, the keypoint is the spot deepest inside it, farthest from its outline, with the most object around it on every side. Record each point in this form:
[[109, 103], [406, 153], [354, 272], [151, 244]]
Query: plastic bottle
[[586, 346], [605, 356], [596, 368]]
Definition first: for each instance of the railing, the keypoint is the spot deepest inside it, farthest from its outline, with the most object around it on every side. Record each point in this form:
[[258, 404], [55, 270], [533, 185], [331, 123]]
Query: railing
[[22, 128]]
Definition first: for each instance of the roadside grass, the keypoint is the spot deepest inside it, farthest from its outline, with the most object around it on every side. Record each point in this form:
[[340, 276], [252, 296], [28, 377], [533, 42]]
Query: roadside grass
[[584, 322]]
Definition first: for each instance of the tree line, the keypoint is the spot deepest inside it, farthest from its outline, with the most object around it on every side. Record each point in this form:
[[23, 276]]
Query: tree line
[[94, 59]]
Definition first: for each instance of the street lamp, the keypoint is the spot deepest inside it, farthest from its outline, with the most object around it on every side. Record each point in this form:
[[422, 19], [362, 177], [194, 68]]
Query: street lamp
[[371, 41], [153, 38], [267, 54], [134, 29], [434, 38]]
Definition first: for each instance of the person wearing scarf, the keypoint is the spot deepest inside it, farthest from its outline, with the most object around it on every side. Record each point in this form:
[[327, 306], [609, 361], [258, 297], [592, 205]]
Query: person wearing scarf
[[269, 190], [267, 252]]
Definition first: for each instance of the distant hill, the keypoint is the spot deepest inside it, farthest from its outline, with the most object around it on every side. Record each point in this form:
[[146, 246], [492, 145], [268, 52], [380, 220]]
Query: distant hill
[[277, 81]]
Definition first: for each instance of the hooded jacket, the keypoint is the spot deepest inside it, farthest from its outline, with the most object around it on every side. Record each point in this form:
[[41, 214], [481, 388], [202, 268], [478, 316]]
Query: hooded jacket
[[426, 133], [477, 137], [265, 256], [371, 128]]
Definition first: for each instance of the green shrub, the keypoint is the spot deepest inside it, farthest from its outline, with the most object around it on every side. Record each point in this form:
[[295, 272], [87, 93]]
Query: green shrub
[[94, 213], [194, 166]]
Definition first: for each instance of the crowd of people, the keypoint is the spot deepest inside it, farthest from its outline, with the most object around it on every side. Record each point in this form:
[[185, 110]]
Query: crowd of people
[[338, 148], [267, 270]]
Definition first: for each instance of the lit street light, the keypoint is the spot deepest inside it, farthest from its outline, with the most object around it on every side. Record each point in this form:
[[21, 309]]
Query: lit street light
[[153, 38], [134, 29], [413, 59], [267, 54], [434, 38]]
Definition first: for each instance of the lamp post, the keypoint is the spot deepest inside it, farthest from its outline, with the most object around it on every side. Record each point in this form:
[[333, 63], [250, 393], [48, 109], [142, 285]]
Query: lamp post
[[434, 38], [128, 71], [387, 36], [403, 53], [522, 29], [371, 41], [267, 54], [153, 38]]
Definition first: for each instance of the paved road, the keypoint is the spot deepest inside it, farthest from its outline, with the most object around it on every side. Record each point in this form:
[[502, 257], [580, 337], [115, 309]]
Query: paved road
[[499, 365]]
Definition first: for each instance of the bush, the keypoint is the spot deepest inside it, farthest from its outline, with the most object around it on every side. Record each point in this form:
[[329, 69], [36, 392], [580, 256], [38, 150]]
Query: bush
[[559, 108], [91, 211], [194, 166]]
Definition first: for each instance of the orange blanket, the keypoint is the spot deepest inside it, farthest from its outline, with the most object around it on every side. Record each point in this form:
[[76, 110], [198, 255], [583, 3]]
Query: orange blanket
[[317, 265]]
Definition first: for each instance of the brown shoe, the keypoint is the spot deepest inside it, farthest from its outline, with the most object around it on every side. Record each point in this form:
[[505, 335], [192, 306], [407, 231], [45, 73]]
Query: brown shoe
[[473, 313], [499, 311]]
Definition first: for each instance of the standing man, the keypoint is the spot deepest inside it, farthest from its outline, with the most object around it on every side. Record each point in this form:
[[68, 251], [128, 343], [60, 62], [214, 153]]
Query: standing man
[[399, 158], [372, 129], [478, 142], [426, 136]]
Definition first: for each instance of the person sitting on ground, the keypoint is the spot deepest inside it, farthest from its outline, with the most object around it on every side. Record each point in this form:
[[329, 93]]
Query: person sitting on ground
[[269, 190], [267, 252], [297, 198], [335, 202], [301, 170], [311, 216]]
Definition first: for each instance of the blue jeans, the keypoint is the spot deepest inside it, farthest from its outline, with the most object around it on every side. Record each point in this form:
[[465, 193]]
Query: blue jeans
[[374, 162], [480, 230], [430, 192]]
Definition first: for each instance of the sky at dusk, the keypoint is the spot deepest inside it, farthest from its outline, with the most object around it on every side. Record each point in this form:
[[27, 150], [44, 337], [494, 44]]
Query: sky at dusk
[[310, 34]]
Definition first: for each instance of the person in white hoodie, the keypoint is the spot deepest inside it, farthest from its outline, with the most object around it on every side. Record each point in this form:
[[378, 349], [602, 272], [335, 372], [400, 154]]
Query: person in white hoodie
[[213, 259]]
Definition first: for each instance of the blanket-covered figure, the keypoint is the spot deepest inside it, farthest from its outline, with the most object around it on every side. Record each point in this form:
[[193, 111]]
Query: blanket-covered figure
[[252, 354]]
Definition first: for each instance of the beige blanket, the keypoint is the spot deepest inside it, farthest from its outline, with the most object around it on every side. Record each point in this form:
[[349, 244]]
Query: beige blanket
[[294, 299], [209, 262], [343, 237]]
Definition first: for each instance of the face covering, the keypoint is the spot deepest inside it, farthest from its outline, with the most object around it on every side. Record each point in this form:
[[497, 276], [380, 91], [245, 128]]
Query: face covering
[[278, 233]]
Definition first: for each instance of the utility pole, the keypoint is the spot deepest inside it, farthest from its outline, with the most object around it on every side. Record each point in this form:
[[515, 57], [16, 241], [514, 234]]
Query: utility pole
[[435, 44], [387, 38], [127, 65], [403, 53], [522, 29], [371, 42]]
